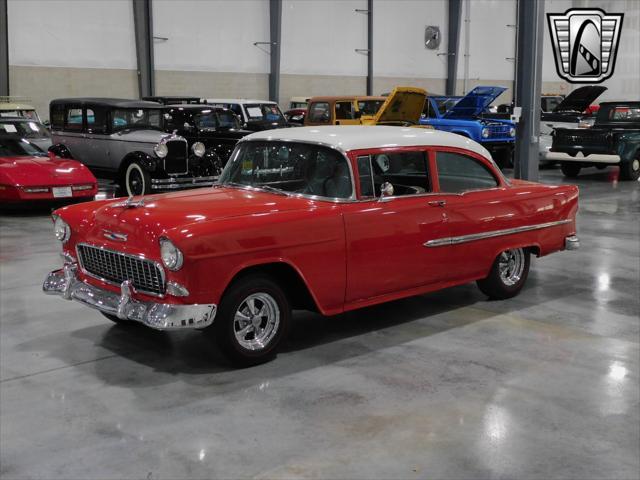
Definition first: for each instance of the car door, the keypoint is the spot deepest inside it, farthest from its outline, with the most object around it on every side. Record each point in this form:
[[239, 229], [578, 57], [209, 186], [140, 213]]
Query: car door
[[386, 235], [73, 136], [478, 204], [96, 145]]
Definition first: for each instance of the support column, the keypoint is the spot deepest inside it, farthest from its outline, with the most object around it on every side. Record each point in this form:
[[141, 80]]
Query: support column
[[528, 87], [143, 24], [453, 44], [4, 50], [275, 28], [370, 47]]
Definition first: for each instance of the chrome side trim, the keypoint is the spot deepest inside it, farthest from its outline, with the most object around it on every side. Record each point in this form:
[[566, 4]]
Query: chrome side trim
[[441, 242], [160, 316]]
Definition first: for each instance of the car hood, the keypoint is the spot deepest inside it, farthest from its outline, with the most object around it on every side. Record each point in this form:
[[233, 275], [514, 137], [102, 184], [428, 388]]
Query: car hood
[[37, 171], [207, 134], [580, 99], [161, 213], [475, 102], [405, 104]]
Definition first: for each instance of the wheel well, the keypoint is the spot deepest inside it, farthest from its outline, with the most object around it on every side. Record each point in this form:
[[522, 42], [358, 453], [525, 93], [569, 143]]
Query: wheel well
[[534, 250], [288, 278], [128, 160]]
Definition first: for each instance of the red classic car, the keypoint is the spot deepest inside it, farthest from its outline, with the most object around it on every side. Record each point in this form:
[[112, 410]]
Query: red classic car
[[329, 219], [28, 173]]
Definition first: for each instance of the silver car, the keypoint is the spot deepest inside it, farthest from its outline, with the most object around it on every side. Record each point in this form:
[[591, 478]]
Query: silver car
[[124, 140]]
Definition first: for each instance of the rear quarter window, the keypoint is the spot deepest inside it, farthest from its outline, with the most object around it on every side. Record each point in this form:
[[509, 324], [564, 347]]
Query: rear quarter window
[[459, 173]]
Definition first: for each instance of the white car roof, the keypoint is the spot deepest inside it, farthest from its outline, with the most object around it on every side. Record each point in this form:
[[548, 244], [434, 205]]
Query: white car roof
[[237, 100], [357, 137]]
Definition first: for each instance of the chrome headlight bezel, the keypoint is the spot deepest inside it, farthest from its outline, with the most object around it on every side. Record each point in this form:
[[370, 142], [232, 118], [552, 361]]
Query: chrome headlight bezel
[[485, 132], [61, 229], [512, 132], [170, 255], [161, 150], [199, 149]]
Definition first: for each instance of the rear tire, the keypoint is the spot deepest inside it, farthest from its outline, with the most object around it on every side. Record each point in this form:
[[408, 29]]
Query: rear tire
[[508, 274], [630, 170], [570, 170], [253, 318], [136, 180]]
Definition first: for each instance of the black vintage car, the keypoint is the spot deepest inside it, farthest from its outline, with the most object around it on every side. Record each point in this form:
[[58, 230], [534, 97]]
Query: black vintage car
[[126, 140], [211, 132], [614, 139]]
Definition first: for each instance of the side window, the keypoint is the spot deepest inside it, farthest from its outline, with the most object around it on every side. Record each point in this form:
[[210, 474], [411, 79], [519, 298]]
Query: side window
[[319, 112], [458, 173], [73, 119], [367, 189], [406, 171], [344, 111], [96, 120], [428, 109], [57, 117]]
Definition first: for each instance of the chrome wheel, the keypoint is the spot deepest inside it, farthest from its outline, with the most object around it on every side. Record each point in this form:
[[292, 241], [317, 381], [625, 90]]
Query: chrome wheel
[[511, 265], [256, 321]]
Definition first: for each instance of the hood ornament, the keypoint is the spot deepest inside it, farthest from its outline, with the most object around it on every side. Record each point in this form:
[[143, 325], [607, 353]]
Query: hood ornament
[[129, 203], [120, 237]]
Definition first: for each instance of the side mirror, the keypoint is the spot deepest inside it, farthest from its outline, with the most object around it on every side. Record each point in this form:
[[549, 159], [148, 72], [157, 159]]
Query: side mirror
[[386, 190]]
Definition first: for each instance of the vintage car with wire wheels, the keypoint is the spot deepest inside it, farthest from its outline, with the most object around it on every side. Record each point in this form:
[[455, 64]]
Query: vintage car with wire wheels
[[211, 134], [614, 139], [468, 116], [29, 174], [328, 219], [124, 140]]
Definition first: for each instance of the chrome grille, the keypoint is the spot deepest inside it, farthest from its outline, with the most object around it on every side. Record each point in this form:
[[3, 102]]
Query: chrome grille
[[175, 163], [145, 275], [499, 131]]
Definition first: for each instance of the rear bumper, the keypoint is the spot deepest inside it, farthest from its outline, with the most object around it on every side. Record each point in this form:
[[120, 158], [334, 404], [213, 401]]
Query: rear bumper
[[572, 243], [579, 158], [160, 316], [178, 183]]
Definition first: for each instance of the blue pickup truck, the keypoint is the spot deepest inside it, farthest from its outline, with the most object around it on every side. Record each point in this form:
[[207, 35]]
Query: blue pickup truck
[[468, 116]]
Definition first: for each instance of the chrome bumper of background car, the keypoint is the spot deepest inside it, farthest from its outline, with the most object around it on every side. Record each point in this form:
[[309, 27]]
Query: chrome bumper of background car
[[572, 243], [178, 183], [160, 316], [593, 158]]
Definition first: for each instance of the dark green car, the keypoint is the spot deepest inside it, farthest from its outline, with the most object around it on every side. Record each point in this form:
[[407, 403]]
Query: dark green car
[[614, 139]]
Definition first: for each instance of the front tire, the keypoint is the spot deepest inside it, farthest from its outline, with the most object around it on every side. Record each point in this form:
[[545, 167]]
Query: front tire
[[630, 170], [570, 170], [253, 318], [137, 180], [508, 274]]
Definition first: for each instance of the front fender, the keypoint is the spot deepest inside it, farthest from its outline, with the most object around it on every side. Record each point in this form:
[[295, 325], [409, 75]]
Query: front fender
[[149, 163], [628, 147]]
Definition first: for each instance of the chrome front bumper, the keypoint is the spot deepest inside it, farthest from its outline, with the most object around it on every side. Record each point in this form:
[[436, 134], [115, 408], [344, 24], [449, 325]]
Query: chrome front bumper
[[160, 316]]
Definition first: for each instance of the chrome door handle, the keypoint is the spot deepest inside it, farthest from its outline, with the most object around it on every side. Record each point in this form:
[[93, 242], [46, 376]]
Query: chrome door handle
[[437, 203]]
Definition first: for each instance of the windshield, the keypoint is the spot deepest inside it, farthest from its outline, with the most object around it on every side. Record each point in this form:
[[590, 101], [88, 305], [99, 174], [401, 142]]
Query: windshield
[[216, 119], [264, 112], [25, 129], [291, 168], [445, 104], [369, 107], [136, 118], [14, 146]]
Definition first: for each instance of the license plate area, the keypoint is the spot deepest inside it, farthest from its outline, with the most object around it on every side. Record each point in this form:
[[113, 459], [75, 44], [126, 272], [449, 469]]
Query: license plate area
[[61, 192]]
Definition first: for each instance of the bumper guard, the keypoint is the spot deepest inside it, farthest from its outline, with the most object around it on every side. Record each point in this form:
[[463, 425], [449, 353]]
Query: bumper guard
[[160, 316]]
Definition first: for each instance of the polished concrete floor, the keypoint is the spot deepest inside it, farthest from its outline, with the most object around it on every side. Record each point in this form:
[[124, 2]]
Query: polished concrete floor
[[447, 385]]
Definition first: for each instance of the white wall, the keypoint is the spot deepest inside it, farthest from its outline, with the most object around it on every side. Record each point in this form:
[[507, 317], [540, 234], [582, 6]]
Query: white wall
[[211, 36], [62, 33], [319, 37], [399, 49]]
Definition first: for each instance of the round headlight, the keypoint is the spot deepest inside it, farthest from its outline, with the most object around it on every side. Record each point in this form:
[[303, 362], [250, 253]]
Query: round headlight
[[170, 254], [161, 150], [512, 132], [61, 229], [198, 149], [485, 133]]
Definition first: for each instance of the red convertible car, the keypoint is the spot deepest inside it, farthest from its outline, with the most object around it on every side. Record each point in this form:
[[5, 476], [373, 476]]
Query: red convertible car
[[329, 219], [28, 173]]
